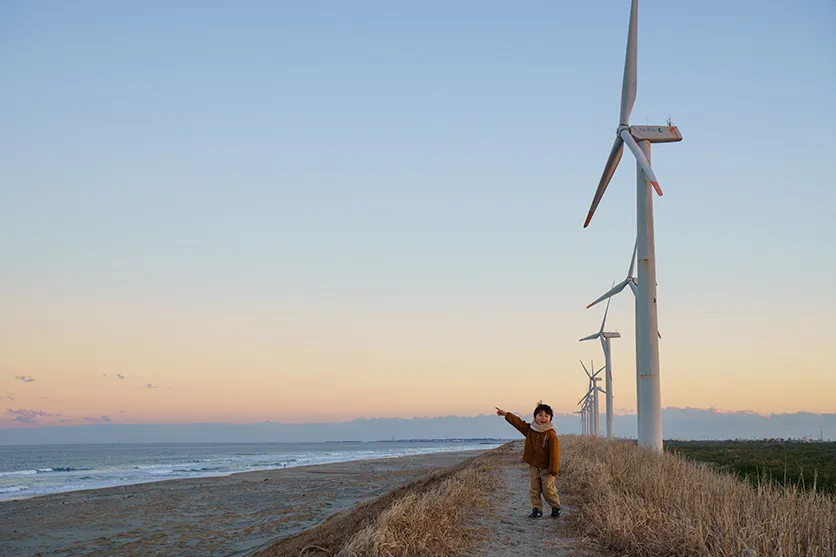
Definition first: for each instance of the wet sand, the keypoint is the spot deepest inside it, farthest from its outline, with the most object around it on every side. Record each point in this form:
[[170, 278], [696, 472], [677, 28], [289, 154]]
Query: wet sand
[[229, 515]]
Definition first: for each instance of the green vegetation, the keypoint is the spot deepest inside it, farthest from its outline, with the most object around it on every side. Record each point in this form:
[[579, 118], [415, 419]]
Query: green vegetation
[[783, 462]]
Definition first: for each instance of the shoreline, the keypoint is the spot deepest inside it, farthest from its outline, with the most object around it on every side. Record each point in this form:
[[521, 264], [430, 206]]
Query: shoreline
[[23, 494], [219, 515]]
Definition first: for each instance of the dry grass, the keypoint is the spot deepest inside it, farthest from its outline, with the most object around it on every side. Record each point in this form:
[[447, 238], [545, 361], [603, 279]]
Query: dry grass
[[423, 517], [641, 503], [431, 523]]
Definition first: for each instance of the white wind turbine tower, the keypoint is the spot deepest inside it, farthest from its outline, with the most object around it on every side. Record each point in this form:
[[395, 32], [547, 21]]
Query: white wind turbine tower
[[585, 413], [582, 417], [586, 409], [592, 397], [587, 406], [605, 345], [638, 139]]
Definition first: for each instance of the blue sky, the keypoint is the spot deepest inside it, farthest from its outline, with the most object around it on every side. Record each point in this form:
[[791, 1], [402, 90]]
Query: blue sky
[[370, 162]]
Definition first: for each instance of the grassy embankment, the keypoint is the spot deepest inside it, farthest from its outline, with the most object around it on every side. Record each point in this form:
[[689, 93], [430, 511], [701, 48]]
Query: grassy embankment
[[631, 500], [641, 503]]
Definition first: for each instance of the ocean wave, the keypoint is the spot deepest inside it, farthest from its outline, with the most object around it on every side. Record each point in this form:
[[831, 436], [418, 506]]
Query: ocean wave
[[69, 469], [204, 469], [41, 479], [19, 473], [57, 469], [13, 488]]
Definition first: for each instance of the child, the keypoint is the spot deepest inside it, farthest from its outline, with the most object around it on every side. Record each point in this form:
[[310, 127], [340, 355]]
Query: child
[[542, 454]]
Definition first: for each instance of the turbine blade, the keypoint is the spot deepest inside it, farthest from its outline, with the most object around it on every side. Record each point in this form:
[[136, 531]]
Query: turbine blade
[[628, 86], [633, 260], [642, 159], [604, 320], [634, 287], [590, 337], [658, 333], [611, 292], [584, 368], [604, 348], [609, 170]]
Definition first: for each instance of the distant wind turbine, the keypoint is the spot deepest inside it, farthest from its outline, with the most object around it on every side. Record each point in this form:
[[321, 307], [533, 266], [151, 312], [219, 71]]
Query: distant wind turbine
[[630, 281], [592, 394], [605, 346], [639, 139], [583, 416]]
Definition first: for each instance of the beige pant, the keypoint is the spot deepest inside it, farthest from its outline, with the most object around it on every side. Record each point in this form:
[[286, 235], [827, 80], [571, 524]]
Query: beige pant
[[541, 480]]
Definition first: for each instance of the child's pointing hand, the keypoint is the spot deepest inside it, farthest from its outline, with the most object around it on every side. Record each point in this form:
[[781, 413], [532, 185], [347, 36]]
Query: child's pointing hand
[[499, 411]]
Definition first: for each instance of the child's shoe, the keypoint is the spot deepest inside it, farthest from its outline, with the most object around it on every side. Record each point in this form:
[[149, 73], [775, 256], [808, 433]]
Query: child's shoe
[[536, 513], [555, 512]]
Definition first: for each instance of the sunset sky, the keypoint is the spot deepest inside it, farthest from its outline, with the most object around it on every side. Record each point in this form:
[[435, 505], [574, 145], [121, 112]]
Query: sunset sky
[[319, 211]]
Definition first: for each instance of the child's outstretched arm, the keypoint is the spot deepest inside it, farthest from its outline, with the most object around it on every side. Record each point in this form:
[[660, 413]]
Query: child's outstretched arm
[[521, 426]]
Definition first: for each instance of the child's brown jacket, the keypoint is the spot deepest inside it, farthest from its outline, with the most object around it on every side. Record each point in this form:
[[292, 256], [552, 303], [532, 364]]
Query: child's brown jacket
[[542, 449]]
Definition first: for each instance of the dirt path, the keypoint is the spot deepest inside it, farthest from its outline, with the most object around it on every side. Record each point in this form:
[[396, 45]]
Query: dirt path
[[512, 533]]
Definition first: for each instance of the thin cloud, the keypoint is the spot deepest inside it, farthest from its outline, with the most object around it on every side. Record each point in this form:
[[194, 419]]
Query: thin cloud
[[25, 378], [10, 396], [27, 416], [90, 419], [105, 418], [120, 376], [150, 386]]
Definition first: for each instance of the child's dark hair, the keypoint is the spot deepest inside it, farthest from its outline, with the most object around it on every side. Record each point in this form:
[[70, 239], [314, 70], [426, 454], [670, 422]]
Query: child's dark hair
[[543, 408]]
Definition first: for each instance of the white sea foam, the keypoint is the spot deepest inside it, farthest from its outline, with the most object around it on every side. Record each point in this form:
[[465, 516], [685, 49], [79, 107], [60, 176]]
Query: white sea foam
[[54, 470], [13, 488], [19, 473]]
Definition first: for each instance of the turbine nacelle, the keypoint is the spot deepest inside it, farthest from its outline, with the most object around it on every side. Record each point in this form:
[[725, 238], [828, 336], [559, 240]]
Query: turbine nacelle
[[656, 134]]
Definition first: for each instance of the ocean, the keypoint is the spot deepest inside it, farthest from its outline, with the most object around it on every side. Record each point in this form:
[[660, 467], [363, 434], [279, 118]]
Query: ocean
[[30, 470]]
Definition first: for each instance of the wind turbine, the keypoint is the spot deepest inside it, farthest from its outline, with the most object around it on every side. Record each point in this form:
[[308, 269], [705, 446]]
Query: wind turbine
[[583, 425], [630, 281], [584, 412], [605, 345], [592, 394], [638, 139], [616, 288]]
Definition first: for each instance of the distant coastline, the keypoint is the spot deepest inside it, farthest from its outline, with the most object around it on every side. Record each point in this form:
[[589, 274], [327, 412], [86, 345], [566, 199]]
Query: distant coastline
[[678, 423]]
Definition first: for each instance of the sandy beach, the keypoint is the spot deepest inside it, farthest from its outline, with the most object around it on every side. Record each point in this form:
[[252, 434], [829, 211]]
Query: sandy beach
[[230, 516]]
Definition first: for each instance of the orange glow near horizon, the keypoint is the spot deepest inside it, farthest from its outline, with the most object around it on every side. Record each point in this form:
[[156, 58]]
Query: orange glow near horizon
[[304, 367]]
